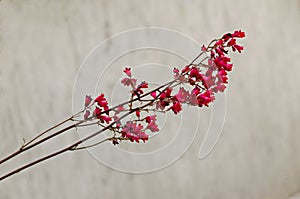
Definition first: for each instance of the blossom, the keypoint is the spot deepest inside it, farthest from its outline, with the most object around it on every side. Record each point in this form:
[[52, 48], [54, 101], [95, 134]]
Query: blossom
[[86, 114], [138, 113], [134, 132], [117, 120], [138, 91], [222, 76], [219, 88], [238, 48], [182, 95], [176, 108], [168, 91], [152, 126], [150, 118], [176, 72], [119, 109], [88, 100], [129, 82], [205, 98], [103, 118], [127, 71], [102, 102], [239, 34], [153, 94]]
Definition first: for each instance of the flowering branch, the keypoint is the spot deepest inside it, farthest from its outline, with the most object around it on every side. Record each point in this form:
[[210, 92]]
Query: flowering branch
[[194, 85]]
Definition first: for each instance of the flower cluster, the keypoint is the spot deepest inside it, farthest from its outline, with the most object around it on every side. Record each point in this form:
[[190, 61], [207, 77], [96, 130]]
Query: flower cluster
[[195, 84]]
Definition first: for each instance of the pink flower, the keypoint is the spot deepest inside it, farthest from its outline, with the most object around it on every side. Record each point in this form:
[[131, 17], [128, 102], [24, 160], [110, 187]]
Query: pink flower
[[153, 94], [150, 118], [86, 114], [182, 95], [117, 120], [208, 81], [138, 91], [152, 126], [88, 100], [176, 72], [219, 88], [119, 109], [127, 71], [129, 82], [134, 132]]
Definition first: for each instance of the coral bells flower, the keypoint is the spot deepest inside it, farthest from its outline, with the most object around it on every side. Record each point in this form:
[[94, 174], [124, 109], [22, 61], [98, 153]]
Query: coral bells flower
[[205, 98], [134, 132], [88, 100], [139, 90], [176, 108], [152, 126], [182, 95], [150, 118], [129, 82], [239, 34], [127, 71], [103, 118], [86, 114], [102, 102]]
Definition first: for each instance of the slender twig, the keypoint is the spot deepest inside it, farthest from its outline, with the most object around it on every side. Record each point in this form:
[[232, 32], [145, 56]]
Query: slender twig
[[72, 146]]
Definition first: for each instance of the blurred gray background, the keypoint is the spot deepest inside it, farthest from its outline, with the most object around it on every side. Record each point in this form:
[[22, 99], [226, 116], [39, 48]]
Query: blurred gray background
[[43, 43]]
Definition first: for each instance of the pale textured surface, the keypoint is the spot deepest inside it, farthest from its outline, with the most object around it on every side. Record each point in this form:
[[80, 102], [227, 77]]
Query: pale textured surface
[[43, 43]]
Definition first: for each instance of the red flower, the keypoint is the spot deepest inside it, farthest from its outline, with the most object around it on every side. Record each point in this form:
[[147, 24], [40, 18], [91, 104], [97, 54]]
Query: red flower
[[238, 48], [168, 92], [153, 94], [150, 118], [195, 73], [138, 113], [205, 98], [127, 71], [88, 100], [138, 91], [176, 108], [238, 34], [162, 96], [102, 118], [222, 76], [102, 102], [134, 132]]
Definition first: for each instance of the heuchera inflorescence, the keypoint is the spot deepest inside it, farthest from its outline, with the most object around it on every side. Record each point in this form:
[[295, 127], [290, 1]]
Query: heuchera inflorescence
[[195, 84]]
